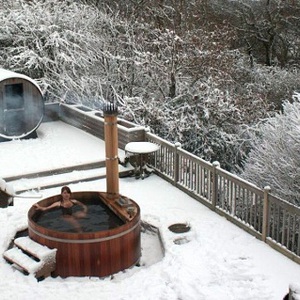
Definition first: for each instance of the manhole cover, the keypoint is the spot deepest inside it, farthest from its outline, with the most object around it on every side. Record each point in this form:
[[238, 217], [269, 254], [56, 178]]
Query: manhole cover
[[179, 228]]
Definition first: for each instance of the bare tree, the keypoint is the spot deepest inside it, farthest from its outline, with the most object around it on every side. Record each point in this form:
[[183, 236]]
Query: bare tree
[[270, 29]]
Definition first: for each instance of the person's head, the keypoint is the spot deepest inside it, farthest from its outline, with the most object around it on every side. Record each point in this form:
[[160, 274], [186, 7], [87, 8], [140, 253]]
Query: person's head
[[65, 189]]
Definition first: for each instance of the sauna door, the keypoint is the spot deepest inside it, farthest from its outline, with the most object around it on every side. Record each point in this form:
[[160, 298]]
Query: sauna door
[[14, 111]]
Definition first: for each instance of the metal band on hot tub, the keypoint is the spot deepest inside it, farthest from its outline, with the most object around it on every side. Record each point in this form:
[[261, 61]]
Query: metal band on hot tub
[[83, 241]]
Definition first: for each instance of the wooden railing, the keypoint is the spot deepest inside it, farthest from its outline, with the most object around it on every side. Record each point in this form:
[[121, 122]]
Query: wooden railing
[[256, 210], [273, 220]]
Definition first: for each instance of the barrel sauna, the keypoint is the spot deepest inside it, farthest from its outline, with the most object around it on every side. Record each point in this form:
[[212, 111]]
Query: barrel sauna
[[100, 253], [21, 106]]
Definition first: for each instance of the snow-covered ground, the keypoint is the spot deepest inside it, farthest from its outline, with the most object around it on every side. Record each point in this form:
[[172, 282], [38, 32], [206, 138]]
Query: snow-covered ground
[[58, 145], [218, 261]]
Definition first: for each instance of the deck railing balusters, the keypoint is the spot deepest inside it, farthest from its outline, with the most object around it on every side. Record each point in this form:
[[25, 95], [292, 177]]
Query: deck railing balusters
[[259, 212]]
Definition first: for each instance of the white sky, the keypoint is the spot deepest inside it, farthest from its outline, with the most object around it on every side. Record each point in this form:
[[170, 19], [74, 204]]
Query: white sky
[[220, 261]]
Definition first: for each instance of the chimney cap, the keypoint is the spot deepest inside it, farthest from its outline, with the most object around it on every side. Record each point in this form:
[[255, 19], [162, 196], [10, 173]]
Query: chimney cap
[[110, 108]]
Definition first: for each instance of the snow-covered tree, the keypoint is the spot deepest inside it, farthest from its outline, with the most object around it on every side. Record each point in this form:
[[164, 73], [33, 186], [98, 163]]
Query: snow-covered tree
[[268, 29], [59, 43], [172, 62], [275, 158]]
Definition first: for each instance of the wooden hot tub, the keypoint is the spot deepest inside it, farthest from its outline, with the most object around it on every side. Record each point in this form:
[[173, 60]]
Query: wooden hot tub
[[96, 253]]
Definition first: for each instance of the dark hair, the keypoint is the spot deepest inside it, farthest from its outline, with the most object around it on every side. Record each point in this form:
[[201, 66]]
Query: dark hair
[[65, 188]]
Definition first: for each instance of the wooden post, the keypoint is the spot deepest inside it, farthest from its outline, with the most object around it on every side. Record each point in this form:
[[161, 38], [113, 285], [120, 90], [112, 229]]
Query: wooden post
[[176, 163], [111, 149], [215, 164], [267, 190]]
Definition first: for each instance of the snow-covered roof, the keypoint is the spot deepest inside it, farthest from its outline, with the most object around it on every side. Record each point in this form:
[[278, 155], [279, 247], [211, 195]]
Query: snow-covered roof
[[6, 74]]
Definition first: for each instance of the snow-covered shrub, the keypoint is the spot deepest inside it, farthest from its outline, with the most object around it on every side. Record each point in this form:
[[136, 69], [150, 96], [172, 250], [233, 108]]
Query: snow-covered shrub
[[275, 156], [207, 124], [273, 84]]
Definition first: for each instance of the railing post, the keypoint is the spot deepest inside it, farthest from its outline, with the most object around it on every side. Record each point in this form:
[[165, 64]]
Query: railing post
[[146, 130], [265, 228], [176, 162], [214, 179]]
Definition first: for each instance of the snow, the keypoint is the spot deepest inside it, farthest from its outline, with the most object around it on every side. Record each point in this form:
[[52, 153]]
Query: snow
[[38, 250], [6, 187], [30, 156], [141, 147], [16, 255], [215, 260], [6, 74]]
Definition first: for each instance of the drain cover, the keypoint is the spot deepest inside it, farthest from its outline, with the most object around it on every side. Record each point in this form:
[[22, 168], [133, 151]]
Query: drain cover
[[179, 228], [181, 241]]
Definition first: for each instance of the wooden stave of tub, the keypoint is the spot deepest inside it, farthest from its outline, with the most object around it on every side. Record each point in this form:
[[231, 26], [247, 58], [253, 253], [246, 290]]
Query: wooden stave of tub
[[100, 253]]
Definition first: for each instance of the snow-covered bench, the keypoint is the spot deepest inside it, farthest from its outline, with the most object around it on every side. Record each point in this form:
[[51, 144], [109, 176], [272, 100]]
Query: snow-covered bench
[[6, 192]]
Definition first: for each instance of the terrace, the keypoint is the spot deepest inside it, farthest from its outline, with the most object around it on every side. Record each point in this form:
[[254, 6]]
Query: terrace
[[258, 212], [255, 210]]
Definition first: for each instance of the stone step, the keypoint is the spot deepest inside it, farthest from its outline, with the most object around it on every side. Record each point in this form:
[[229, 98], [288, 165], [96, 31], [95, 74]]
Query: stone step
[[51, 181], [55, 171]]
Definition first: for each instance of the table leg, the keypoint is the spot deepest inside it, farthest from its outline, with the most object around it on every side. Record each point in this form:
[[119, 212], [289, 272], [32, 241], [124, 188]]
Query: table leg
[[141, 169], [137, 167], [142, 162]]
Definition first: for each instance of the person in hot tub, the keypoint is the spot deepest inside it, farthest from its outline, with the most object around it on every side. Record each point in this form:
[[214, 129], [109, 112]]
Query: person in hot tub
[[66, 204]]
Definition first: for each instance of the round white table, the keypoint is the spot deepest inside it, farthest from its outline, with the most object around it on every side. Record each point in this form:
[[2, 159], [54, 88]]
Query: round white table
[[141, 151]]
